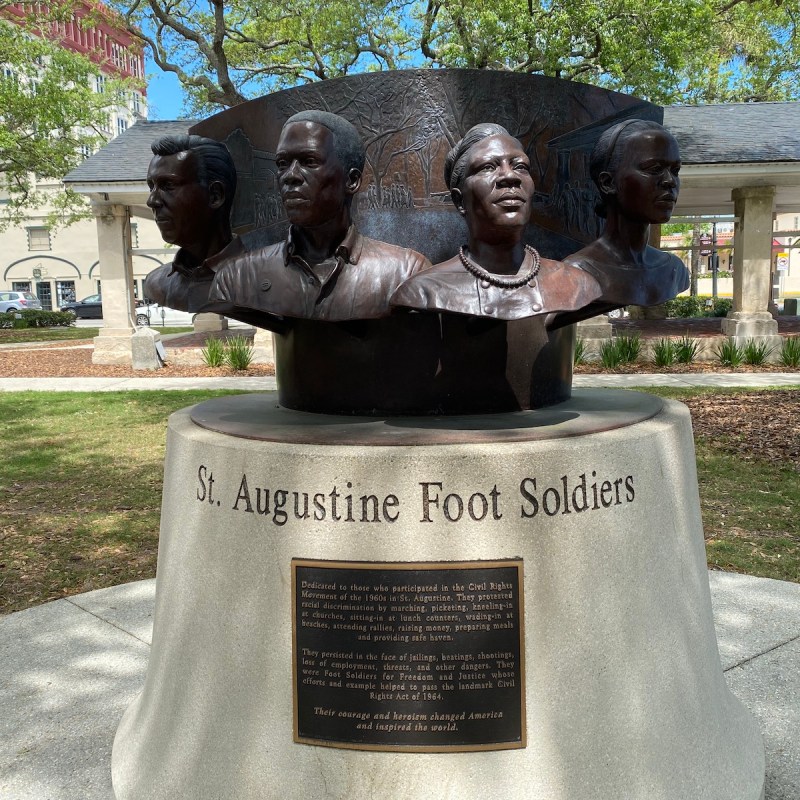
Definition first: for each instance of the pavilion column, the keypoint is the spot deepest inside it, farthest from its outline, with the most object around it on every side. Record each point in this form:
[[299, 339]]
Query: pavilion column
[[752, 265], [113, 345]]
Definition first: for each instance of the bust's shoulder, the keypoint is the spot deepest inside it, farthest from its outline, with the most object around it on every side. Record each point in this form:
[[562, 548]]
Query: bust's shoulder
[[424, 290], [384, 251], [248, 261]]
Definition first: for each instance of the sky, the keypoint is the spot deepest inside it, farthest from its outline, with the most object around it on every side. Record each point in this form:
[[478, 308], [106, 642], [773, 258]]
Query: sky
[[164, 94]]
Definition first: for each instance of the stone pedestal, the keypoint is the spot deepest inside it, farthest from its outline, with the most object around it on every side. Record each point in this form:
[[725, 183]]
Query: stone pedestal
[[624, 695], [263, 347], [113, 346], [204, 323], [143, 349], [595, 328], [592, 333], [760, 326]]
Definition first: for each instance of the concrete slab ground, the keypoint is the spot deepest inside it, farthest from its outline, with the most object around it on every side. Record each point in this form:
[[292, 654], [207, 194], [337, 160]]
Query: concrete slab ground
[[68, 670]]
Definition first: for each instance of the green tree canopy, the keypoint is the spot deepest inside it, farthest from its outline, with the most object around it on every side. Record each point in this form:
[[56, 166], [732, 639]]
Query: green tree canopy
[[667, 51], [50, 115]]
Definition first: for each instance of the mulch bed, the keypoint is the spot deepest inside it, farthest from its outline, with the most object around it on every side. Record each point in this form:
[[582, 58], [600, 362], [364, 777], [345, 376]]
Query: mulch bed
[[763, 425], [63, 362]]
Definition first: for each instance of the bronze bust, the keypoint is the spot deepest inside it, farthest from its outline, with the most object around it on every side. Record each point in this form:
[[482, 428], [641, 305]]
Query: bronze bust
[[192, 182], [635, 166], [326, 270], [497, 275]]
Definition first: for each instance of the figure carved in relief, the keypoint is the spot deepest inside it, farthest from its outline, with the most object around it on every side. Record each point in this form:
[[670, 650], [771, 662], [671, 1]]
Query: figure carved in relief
[[635, 166], [496, 274], [325, 270]]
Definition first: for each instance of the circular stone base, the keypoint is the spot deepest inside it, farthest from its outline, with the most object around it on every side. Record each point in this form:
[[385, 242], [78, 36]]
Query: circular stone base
[[258, 416], [624, 695]]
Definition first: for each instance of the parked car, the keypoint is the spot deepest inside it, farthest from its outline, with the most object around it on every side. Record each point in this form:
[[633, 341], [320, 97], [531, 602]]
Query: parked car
[[18, 301], [90, 307], [159, 316]]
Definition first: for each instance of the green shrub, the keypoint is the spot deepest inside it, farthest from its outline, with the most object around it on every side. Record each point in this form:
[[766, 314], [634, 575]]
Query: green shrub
[[702, 305], [755, 352], [33, 318], [790, 352], [686, 306], [629, 347], [729, 353], [610, 356], [686, 350], [238, 353], [721, 307], [579, 356], [213, 353], [664, 352]]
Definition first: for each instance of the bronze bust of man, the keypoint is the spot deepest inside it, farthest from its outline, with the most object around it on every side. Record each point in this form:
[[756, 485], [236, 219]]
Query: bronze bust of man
[[497, 275], [192, 183], [635, 166], [326, 270]]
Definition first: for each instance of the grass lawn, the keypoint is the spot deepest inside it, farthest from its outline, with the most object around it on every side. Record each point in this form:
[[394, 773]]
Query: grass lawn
[[81, 482], [19, 336]]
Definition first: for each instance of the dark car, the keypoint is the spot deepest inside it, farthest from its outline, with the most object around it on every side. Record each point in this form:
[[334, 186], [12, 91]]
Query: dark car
[[90, 307]]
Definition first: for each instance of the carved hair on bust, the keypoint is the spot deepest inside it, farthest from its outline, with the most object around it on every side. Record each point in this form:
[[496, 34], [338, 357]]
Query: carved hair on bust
[[212, 159], [455, 162], [610, 148], [347, 142]]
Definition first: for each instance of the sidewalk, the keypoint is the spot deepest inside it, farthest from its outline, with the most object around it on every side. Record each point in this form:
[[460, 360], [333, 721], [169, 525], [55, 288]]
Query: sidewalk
[[69, 669], [753, 380]]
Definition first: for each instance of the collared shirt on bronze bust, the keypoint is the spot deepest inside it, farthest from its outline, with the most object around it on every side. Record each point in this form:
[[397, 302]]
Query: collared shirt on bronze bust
[[184, 284], [354, 283], [450, 287]]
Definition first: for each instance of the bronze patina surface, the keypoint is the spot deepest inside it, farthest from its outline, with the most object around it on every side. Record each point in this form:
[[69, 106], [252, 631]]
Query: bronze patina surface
[[326, 270], [342, 211], [635, 167], [499, 276]]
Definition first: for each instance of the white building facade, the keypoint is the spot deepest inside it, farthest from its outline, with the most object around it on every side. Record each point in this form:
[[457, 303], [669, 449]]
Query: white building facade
[[59, 265]]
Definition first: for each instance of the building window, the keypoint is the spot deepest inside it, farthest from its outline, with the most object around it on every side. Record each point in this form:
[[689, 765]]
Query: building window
[[122, 125], [86, 151], [136, 102], [134, 234], [100, 83], [65, 292], [39, 239]]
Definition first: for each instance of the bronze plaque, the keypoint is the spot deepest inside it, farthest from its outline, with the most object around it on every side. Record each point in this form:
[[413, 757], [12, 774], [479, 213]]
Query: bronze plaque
[[420, 656]]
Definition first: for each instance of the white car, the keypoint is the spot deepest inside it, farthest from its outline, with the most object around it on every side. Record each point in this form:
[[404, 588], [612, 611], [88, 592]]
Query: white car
[[161, 316]]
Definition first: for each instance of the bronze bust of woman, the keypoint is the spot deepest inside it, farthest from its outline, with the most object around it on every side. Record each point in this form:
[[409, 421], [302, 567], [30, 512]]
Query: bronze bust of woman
[[635, 166], [496, 275]]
